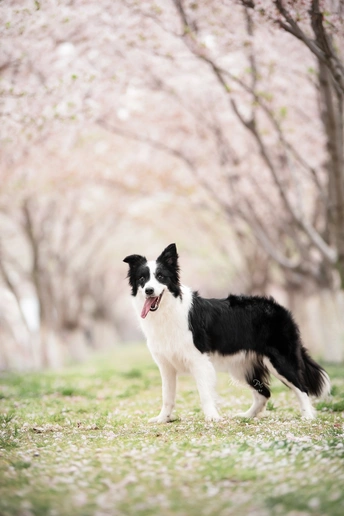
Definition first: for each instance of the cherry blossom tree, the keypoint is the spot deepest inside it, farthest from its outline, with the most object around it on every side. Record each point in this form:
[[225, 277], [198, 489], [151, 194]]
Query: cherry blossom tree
[[231, 107], [319, 26]]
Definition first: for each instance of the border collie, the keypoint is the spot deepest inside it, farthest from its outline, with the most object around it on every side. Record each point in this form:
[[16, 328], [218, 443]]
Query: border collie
[[246, 336]]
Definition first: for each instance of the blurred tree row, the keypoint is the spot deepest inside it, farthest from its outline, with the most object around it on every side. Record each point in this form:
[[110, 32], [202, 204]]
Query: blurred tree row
[[122, 119]]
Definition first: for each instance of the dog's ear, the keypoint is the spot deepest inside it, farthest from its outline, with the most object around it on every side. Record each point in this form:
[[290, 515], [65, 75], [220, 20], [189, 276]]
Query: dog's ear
[[169, 256], [134, 260]]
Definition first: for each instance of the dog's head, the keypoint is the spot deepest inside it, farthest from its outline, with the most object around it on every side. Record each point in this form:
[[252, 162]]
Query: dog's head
[[151, 279]]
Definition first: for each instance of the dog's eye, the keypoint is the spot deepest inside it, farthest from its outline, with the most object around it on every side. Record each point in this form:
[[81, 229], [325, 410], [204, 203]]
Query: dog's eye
[[160, 276], [142, 280]]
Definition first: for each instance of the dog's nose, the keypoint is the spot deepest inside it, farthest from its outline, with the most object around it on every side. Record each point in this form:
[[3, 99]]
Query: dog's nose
[[149, 291]]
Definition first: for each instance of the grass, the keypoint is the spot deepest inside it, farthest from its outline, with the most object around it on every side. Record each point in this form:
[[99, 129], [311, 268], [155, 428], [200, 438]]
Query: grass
[[77, 442]]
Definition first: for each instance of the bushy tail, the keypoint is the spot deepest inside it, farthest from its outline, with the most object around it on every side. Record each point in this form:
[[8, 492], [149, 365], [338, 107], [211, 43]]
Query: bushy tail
[[315, 377]]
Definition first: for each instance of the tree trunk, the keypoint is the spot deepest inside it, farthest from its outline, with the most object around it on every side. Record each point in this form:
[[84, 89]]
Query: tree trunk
[[320, 317], [332, 118]]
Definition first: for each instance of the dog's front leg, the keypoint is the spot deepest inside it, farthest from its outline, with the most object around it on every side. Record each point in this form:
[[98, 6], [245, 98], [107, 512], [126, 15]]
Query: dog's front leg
[[169, 383], [204, 373]]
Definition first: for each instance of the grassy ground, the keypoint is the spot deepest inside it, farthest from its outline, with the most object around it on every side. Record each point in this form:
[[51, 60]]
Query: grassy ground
[[77, 442]]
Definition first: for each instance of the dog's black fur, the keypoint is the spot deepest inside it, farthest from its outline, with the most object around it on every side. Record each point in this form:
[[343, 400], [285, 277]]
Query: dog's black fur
[[260, 325]]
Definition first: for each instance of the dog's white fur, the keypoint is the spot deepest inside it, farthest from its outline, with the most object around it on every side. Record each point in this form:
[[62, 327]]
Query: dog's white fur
[[171, 345]]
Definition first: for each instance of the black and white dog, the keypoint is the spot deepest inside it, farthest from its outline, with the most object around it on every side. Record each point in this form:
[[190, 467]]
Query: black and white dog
[[246, 336]]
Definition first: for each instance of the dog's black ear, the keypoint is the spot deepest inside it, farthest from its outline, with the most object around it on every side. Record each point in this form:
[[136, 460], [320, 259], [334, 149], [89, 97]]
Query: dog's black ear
[[134, 260], [169, 256]]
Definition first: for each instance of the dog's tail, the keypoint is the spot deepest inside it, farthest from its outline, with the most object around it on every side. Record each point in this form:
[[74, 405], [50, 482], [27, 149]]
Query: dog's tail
[[315, 377]]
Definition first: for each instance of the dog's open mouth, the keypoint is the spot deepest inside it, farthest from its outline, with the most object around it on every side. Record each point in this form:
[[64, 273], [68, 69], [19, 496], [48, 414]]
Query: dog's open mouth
[[151, 305]]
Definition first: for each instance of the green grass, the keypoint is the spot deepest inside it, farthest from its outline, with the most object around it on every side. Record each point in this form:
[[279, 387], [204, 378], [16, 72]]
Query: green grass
[[77, 442]]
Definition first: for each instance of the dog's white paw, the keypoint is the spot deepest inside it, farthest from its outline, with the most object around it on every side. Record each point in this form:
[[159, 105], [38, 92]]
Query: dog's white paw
[[309, 415], [213, 417], [159, 419], [245, 414]]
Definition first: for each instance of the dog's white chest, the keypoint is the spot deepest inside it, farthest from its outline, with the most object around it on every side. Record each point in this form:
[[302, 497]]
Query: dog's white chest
[[167, 331], [171, 340]]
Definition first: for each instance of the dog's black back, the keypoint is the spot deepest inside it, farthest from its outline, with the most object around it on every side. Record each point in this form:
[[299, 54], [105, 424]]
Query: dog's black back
[[260, 325]]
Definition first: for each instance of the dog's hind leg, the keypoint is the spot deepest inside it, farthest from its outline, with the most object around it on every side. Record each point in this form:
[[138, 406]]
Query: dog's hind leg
[[289, 377], [257, 379], [169, 384], [258, 405]]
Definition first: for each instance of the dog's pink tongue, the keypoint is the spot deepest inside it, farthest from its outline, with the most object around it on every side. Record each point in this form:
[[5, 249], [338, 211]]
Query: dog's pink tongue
[[147, 306]]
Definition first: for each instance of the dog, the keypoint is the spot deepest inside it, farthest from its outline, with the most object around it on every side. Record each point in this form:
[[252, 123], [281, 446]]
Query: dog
[[246, 336]]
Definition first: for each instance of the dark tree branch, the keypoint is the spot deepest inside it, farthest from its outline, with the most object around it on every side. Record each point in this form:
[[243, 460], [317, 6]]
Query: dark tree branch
[[321, 47]]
